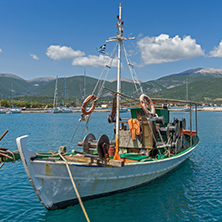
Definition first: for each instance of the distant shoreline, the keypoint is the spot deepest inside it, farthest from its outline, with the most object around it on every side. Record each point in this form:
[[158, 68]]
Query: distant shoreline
[[179, 109]]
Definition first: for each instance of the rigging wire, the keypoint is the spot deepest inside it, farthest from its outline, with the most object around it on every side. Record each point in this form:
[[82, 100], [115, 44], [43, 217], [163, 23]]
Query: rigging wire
[[106, 66], [100, 84], [132, 72], [73, 134]]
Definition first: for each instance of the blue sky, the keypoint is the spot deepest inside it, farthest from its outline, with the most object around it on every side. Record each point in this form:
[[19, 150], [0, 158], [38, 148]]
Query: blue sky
[[60, 38]]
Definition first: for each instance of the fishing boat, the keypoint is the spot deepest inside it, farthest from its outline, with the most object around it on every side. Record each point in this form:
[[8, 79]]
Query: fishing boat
[[146, 146]]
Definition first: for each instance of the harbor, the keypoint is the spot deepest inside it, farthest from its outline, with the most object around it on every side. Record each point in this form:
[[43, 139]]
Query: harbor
[[96, 145], [194, 187], [78, 110]]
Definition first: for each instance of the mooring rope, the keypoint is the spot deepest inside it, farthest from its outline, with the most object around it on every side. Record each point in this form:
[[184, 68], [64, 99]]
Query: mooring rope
[[75, 188]]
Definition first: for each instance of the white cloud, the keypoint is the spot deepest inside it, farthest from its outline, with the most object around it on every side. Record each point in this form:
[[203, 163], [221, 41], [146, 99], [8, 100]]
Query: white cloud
[[162, 49], [93, 60], [34, 56], [0, 50], [217, 51], [57, 52]]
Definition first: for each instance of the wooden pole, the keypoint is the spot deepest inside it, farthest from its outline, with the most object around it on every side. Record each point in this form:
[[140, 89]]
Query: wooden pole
[[3, 135]]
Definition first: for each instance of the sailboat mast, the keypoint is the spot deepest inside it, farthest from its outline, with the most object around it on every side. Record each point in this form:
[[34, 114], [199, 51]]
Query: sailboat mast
[[64, 93], [187, 90], [55, 94], [119, 35]]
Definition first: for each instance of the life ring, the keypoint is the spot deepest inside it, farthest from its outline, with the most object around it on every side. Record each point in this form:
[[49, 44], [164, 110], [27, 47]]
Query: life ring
[[94, 98], [144, 99]]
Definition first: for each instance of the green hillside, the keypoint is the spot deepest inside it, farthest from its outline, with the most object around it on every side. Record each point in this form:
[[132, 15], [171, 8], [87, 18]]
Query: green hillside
[[17, 86], [204, 86], [180, 79], [200, 91]]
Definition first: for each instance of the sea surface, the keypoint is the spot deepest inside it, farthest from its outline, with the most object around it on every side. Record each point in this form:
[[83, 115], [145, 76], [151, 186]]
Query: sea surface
[[192, 192]]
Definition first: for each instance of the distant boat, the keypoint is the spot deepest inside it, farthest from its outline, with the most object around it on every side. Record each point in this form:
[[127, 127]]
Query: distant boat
[[13, 110], [2, 111], [64, 108], [104, 106], [186, 108], [123, 110], [56, 108]]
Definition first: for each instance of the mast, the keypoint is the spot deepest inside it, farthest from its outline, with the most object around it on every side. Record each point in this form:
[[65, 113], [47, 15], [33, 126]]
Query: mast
[[119, 39], [187, 90], [11, 95], [119, 34], [55, 94], [64, 93]]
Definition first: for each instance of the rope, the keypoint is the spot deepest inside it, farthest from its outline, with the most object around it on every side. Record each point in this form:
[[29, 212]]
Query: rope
[[154, 138], [162, 141], [75, 188], [8, 156], [12, 155], [51, 154]]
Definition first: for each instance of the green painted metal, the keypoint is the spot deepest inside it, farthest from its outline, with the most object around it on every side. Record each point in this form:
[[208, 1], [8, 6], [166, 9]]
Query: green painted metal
[[138, 111]]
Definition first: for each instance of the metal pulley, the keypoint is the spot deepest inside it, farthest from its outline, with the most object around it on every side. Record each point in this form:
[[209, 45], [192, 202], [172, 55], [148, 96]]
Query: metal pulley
[[176, 145], [160, 120], [103, 146], [86, 144], [90, 144], [175, 128], [165, 131]]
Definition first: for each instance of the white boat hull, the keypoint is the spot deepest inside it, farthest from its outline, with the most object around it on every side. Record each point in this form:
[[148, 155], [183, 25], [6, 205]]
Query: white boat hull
[[2, 111], [57, 111], [14, 111], [65, 110], [54, 189]]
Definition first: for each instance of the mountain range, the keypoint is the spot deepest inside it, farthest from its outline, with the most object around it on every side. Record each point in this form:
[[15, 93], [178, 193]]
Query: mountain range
[[204, 85]]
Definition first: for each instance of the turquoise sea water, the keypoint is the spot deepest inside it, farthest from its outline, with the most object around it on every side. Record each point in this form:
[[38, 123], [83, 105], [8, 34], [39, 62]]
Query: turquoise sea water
[[192, 192]]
